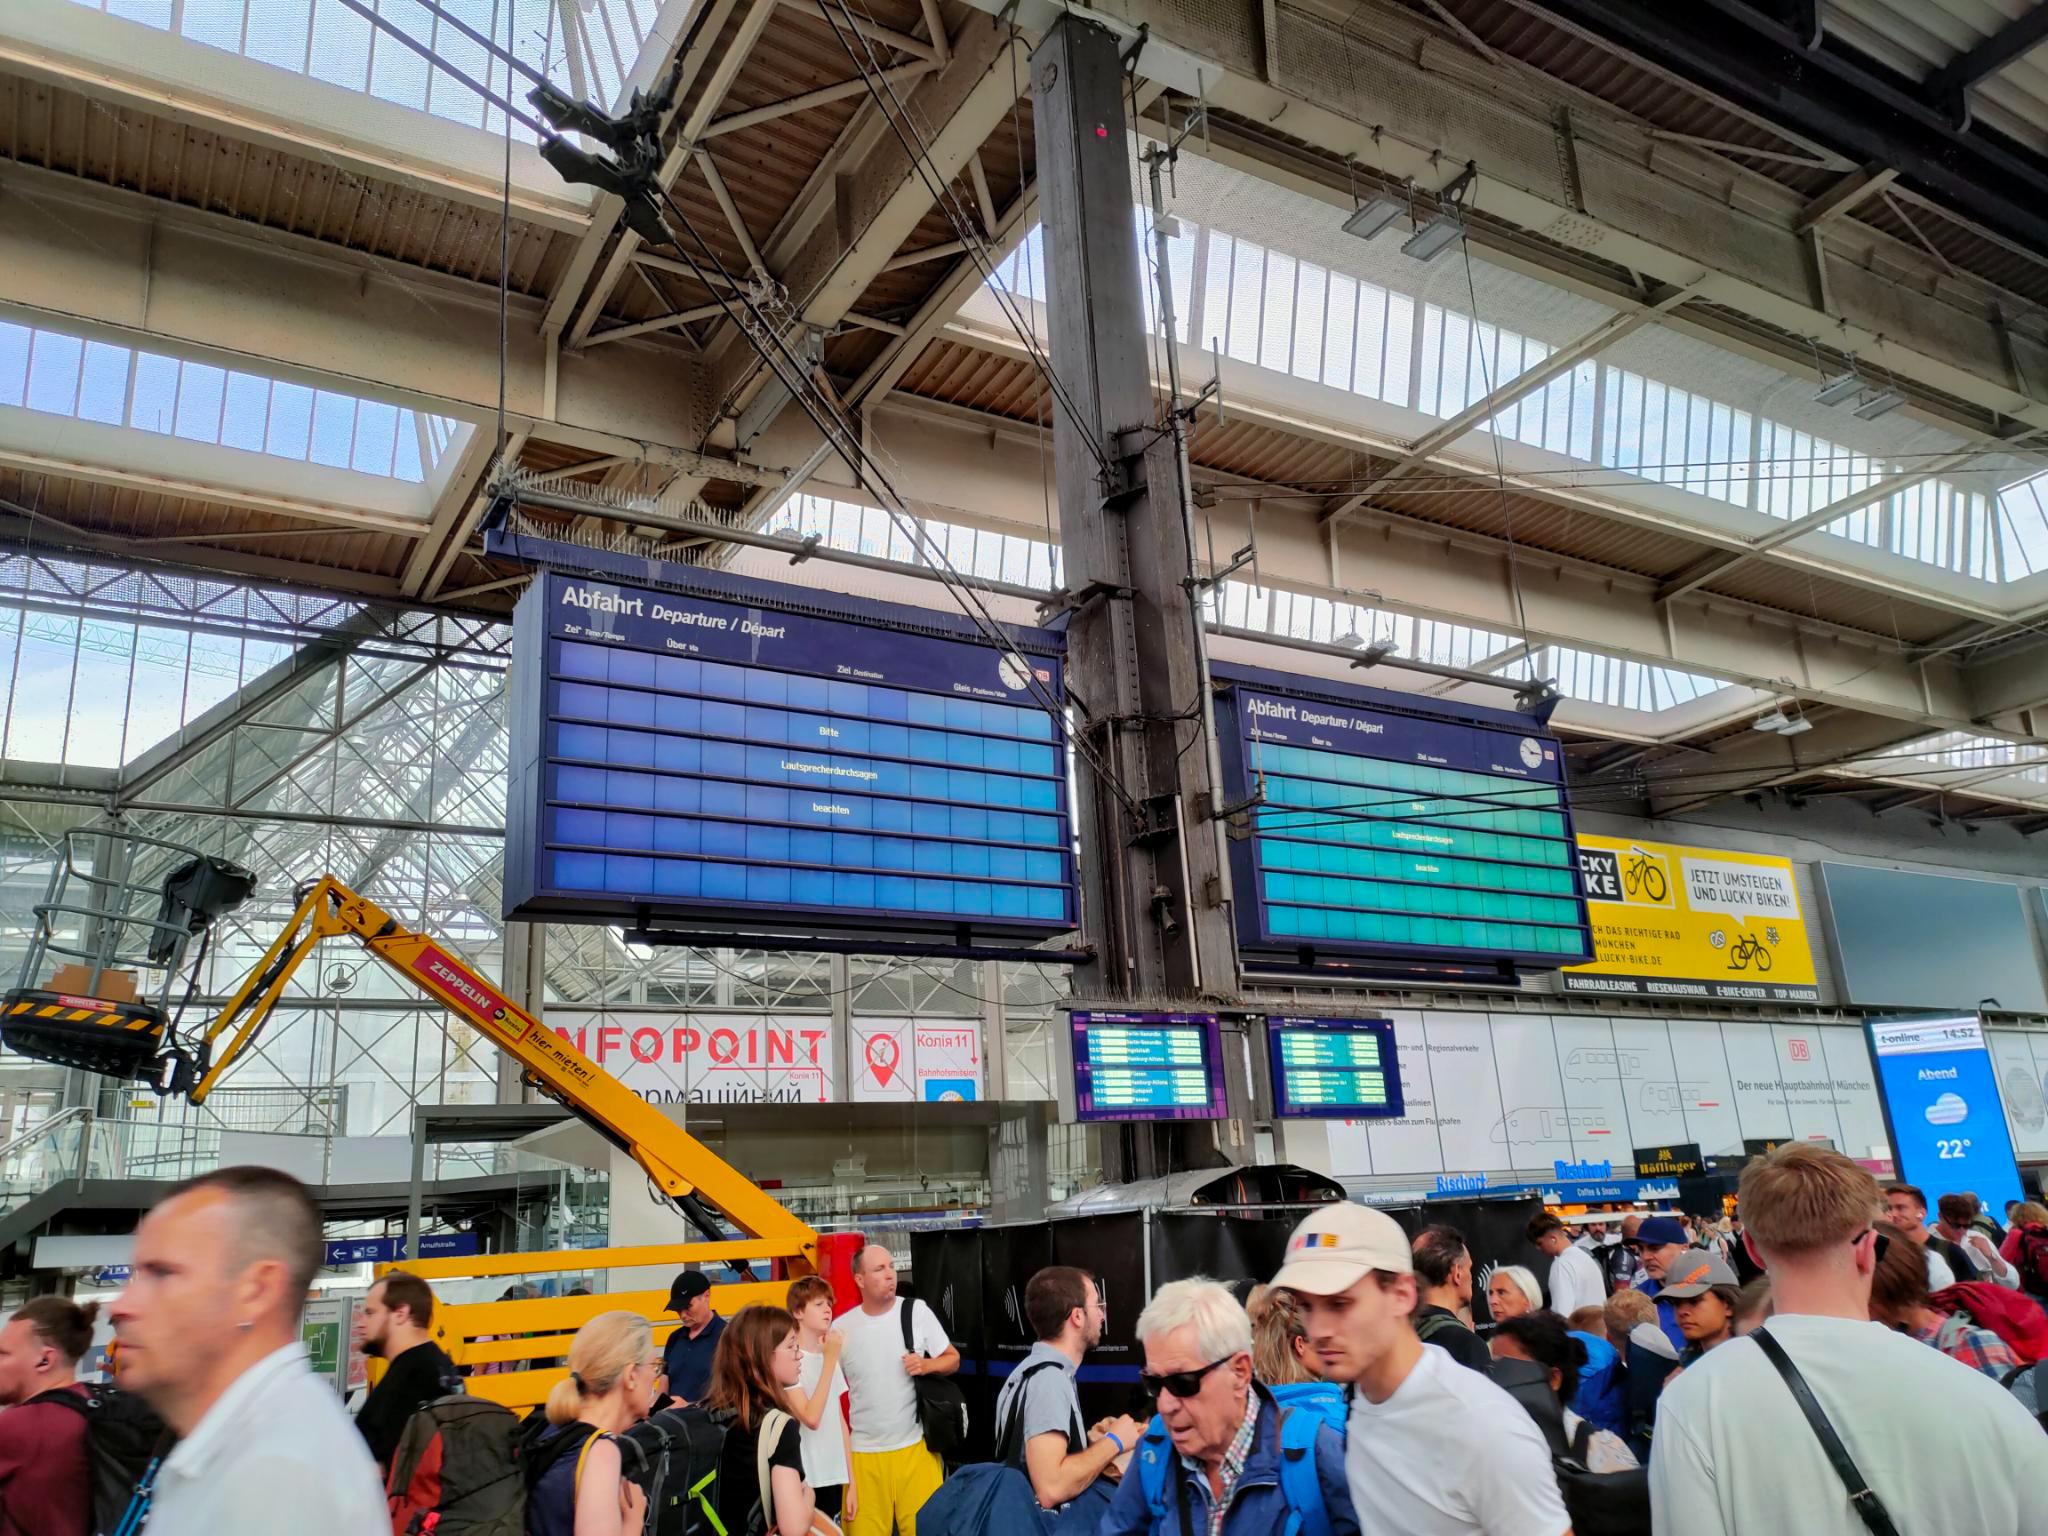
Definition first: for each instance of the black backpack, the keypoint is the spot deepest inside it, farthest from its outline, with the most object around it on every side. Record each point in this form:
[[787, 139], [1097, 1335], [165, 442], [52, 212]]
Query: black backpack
[[1599, 1503], [124, 1444], [673, 1455], [941, 1405]]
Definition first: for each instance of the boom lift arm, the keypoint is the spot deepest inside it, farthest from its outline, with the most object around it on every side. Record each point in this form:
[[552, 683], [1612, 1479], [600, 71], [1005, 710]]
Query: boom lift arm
[[689, 1173]]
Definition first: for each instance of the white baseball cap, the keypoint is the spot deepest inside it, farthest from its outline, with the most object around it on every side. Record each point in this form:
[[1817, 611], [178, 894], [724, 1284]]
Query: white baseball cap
[[1338, 1245]]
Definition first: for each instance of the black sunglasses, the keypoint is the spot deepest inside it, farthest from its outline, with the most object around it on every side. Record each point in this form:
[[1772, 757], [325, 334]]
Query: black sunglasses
[[1179, 1383], [1883, 1242]]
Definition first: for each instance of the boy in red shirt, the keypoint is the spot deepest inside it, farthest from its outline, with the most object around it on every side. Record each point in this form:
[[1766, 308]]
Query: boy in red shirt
[[44, 1486]]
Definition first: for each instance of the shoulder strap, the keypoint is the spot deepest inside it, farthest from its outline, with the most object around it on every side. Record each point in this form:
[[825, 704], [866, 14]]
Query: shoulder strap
[[1013, 1455], [1869, 1508], [582, 1454], [773, 1422], [1435, 1323], [1153, 1468], [1298, 1476], [904, 1310], [1582, 1442], [70, 1399]]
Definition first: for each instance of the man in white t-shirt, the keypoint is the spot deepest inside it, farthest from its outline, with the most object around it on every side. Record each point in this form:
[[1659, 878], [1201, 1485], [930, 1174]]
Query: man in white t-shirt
[[894, 1471], [1942, 1447], [1434, 1449], [1575, 1279]]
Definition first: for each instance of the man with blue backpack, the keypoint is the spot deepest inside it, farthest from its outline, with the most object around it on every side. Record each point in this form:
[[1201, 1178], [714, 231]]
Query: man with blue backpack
[[1433, 1449], [1220, 1442]]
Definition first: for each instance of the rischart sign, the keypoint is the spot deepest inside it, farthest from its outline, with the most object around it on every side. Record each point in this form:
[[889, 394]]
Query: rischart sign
[[722, 1058]]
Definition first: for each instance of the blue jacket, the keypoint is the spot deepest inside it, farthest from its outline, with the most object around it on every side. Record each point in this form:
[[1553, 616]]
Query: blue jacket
[[1257, 1506], [1667, 1316], [1599, 1398]]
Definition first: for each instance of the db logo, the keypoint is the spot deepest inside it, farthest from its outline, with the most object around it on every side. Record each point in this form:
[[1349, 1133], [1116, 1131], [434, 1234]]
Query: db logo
[[1800, 1050]]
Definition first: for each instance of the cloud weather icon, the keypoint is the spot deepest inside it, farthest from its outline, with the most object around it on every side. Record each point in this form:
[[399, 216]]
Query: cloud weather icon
[[1949, 1109]]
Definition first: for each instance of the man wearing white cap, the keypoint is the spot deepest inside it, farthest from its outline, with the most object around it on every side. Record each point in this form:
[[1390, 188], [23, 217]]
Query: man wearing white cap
[[1433, 1449]]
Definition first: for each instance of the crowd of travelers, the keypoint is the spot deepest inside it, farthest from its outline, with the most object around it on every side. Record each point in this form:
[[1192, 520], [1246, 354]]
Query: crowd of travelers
[[1831, 1364]]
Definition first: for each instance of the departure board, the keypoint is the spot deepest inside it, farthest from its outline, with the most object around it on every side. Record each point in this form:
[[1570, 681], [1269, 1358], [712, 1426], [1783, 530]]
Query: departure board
[[1334, 1068], [734, 758], [1147, 1066], [1391, 837]]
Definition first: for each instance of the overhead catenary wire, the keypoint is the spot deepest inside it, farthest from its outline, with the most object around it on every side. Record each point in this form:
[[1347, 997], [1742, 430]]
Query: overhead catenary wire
[[847, 442], [883, 91], [791, 372]]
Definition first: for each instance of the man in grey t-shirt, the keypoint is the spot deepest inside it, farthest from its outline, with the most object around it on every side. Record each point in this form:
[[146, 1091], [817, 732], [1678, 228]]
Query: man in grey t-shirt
[[1038, 1415]]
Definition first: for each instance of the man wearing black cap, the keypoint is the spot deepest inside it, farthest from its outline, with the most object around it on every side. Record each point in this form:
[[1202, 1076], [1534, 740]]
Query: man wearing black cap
[[1661, 1242], [689, 1349]]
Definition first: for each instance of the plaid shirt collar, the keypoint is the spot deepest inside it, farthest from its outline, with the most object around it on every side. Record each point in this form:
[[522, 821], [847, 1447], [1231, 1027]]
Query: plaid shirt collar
[[1234, 1457], [1978, 1348]]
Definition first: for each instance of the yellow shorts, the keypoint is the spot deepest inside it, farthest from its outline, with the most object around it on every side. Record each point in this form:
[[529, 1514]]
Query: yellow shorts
[[891, 1487]]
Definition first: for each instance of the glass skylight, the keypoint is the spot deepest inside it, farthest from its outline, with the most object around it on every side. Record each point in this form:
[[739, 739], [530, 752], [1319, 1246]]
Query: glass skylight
[[47, 371], [1958, 756], [1285, 314], [325, 40], [2023, 527]]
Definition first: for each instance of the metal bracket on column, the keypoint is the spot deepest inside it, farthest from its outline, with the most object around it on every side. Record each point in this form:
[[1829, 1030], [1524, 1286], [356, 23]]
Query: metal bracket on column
[[1064, 601], [1126, 481], [1247, 555]]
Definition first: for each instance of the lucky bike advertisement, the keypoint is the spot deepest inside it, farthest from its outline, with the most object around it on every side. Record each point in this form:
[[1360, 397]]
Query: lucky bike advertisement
[[1675, 921]]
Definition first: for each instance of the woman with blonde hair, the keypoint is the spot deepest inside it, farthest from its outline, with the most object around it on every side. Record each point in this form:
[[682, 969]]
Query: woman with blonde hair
[[761, 1487], [1280, 1357], [2026, 1249], [575, 1481], [1279, 1337]]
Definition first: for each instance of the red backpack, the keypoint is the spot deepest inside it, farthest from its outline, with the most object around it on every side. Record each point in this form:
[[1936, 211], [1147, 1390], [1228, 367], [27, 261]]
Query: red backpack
[[2008, 1314], [2033, 1260]]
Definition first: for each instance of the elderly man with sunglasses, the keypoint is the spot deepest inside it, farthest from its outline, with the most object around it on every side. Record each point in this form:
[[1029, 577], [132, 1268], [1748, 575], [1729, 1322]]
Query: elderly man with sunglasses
[[1216, 1461]]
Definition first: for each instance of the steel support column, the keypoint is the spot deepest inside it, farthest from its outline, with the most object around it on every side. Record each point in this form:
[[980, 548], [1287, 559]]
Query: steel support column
[[1152, 886]]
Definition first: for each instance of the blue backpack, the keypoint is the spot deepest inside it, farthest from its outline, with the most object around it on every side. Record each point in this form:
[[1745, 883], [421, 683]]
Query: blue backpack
[[1299, 1484], [1601, 1399]]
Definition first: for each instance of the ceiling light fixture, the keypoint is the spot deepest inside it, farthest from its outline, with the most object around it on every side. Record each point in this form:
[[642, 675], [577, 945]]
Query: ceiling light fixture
[[1774, 720], [1374, 215], [1880, 404], [1434, 238], [1448, 227], [1798, 725], [1843, 387]]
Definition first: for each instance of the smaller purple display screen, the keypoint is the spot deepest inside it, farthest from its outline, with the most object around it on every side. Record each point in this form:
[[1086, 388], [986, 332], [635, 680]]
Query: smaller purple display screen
[[1147, 1066]]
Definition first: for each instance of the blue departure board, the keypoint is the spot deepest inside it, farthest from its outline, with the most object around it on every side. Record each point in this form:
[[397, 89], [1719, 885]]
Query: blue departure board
[[1334, 1068], [1147, 1066], [732, 757], [1387, 832]]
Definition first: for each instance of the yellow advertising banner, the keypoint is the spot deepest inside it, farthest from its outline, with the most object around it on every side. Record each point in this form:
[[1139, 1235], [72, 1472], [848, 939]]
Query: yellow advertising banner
[[1674, 921]]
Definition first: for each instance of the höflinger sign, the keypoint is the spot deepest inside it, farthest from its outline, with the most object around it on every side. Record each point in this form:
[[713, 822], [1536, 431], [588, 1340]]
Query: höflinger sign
[[1676, 921]]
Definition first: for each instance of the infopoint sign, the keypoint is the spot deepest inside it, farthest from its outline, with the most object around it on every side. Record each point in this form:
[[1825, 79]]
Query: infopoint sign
[[1948, 1126], [1670, 920]]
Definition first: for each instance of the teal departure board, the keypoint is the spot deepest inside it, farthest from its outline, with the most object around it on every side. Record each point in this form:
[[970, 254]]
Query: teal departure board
[[1334, 1068], [1389, 837], [1147, 1066]]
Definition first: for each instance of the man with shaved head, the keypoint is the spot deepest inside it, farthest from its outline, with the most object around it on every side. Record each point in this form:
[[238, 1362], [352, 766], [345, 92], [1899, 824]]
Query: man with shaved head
[[894, 1471], [209, 1336]]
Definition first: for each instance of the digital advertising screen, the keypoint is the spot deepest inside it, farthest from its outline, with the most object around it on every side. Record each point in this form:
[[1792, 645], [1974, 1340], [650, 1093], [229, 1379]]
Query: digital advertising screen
[[1334, 1068], [734, 758], [1379, 829], [1147, 1066], [1941, 1105]]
